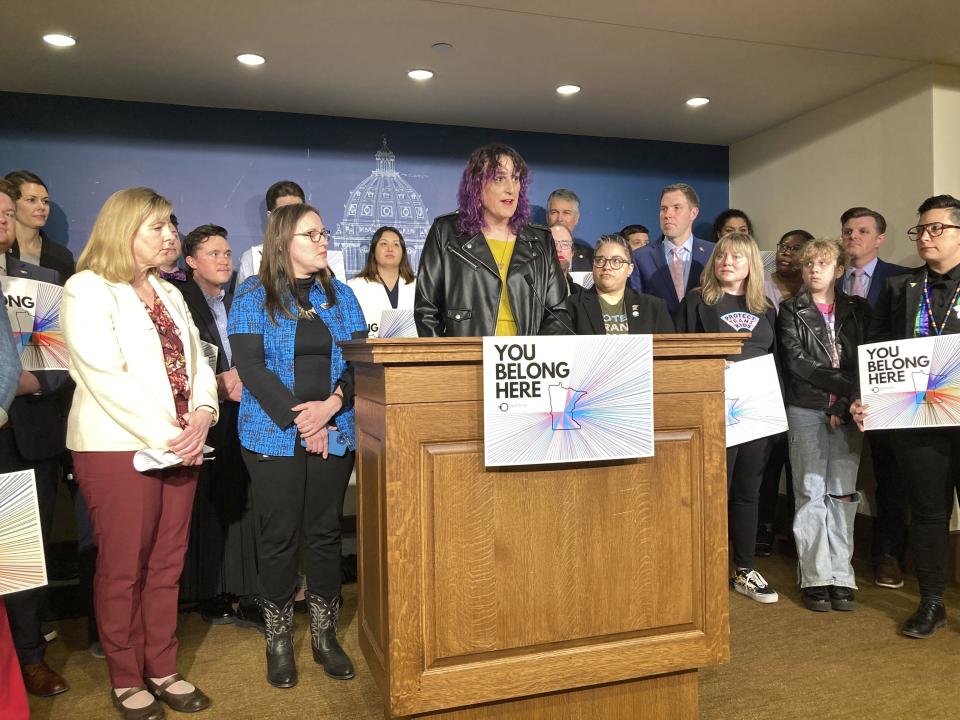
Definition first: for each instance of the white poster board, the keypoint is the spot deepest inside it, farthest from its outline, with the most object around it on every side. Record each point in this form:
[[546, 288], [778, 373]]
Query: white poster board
[[22, 564], [911, 383], [754, 401], [397, 324], [34, 311], [567, 399]]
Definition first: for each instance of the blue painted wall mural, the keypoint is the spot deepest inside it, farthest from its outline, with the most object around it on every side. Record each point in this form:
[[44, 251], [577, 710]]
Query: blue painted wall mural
[[216, 164]]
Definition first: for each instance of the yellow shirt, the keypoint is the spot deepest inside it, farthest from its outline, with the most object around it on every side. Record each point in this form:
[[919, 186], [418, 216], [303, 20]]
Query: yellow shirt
[[502, 252]]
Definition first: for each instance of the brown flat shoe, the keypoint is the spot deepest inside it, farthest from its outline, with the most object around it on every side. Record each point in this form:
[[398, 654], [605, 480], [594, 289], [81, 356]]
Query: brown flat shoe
[[190, 702], [40, 679], [153, 711]]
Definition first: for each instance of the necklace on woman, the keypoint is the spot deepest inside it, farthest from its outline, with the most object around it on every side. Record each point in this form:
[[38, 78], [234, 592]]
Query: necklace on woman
[[925, 321], [503, 253]]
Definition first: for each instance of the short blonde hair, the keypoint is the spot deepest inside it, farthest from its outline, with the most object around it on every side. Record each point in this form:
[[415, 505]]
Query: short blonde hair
[[826, 248], [711, 291], [109, 251]]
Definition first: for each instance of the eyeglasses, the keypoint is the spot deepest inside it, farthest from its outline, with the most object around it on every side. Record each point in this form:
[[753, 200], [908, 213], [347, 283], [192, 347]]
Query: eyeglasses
[[614, 262], [934, 229], [563, 244], [789, 249], [315, 235]]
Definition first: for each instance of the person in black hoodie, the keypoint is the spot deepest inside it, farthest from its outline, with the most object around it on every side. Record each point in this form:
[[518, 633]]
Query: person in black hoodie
[[730, 299], [819, 330], [610, 307]]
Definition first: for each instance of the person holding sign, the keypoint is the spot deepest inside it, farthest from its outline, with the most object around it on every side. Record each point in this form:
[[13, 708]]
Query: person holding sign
[[730, 299], [819, 330], [387, 281], [922, 303], [484, 270], [610, 307], [142, 383]]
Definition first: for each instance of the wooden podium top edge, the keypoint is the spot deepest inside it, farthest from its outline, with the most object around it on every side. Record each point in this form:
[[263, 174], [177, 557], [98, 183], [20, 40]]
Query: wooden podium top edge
[[392, 351]]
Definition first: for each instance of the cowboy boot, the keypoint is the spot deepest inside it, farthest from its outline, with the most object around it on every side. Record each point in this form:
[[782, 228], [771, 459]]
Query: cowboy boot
[[323, 637], [281, 662]]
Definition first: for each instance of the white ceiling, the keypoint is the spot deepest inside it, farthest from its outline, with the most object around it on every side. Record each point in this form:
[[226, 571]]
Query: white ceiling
[[762, 61]]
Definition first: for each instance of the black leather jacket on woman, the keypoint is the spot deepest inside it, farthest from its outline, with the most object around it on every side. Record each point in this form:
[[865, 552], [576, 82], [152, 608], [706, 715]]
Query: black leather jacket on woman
[[809, 376], [458, 286]]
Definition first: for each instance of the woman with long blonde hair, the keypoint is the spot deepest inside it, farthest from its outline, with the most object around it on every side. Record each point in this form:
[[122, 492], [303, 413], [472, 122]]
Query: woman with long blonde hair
[[731, 299]]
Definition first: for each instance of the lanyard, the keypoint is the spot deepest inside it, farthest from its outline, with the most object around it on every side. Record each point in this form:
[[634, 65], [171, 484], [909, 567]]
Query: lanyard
[[925, 320]]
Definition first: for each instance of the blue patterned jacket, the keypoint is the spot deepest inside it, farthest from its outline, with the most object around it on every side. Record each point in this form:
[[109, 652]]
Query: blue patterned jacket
[[258, 433]]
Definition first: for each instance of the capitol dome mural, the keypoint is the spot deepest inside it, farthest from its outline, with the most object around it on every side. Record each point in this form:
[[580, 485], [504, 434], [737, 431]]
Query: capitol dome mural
[[384, 198]]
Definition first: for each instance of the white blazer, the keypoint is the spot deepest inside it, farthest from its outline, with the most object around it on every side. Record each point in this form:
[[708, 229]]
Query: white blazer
[[123, 399], [373, 299]]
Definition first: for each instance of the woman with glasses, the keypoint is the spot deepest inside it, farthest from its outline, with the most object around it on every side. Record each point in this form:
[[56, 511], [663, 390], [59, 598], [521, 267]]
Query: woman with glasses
[[387, 281], [610, 307], [730, 299], [923, 303], [296, 427], [786, 280], [484, 269]]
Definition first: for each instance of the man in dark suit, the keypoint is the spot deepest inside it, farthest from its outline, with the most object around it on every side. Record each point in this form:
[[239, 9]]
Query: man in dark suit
[[34, 438], [864, 232], [921, 303], [220, 559], [670, 267], [563, 208]]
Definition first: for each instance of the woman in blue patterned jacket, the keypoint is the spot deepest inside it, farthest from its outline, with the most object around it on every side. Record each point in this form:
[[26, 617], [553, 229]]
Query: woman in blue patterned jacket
[[296, 426]]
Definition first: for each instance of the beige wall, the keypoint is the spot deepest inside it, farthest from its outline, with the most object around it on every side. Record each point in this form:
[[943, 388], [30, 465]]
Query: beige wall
[[946, 131], [874, 148]]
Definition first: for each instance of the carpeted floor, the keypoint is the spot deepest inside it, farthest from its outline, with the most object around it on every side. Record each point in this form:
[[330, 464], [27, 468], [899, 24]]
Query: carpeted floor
[[786, 663]]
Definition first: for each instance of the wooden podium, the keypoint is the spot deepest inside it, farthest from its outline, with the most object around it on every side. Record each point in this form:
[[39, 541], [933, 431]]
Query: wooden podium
[[588, 591]]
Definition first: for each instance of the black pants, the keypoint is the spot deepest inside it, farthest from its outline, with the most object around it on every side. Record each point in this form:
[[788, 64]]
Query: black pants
[[770, 488], [290, 494], [745, 466], [890, 521], [933, 458], [24, 608]]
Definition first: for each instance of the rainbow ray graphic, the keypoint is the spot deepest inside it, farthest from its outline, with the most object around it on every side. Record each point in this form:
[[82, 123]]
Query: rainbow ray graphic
[[36, 324], [22, 563], [754, 405], [603, 410], [935, 399]]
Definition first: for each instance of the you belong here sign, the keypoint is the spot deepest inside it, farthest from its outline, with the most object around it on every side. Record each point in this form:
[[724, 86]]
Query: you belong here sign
[[567, 399], [911, 383]]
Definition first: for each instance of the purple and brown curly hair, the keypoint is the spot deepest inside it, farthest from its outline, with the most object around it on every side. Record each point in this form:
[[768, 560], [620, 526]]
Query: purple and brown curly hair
[[481, 169]]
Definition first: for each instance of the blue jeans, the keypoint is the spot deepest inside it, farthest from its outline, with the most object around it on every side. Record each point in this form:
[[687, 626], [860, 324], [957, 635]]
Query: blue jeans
[[825, 463]]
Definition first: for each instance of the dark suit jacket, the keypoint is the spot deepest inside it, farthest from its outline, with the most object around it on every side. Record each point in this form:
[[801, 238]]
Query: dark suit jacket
[[582, 259], [896, 310], [878, 282], [651, 273], [646, 314], [52, 255], [39, 422], [203, 318]]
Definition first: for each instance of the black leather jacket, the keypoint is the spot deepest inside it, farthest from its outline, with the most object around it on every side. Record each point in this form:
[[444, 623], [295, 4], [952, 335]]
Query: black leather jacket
[[809, 377], [458, 287]]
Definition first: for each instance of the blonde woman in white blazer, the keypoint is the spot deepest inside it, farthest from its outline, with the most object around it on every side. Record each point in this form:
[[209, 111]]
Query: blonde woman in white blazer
[[142, 384], [387, 281]]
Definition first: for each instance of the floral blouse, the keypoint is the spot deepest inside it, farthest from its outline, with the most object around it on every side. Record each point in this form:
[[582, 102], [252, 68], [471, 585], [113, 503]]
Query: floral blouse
[[174, 358]]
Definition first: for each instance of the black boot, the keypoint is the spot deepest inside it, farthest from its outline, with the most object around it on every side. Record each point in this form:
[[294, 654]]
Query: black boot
[[929, 617], [281, 662], [323, 637]]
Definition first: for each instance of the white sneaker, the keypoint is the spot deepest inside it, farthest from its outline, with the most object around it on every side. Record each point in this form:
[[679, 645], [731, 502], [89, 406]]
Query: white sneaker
[[751, 583]]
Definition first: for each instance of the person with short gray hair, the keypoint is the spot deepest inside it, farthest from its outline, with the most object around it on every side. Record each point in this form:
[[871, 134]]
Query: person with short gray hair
[[563, 207]]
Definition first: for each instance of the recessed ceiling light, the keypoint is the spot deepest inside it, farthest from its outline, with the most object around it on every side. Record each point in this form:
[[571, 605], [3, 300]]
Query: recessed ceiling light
[[58, 40], [442, 47], [568, 89], [251, 59], [420, 74], [698, 101]]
